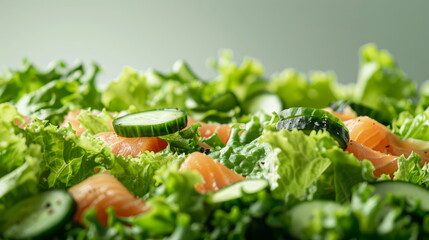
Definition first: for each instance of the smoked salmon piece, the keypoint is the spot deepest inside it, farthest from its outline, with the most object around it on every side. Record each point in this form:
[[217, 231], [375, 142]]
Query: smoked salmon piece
[[207, 130], [102, 191], [371, 133], [347, 114], [376, 136], [131, 146], [383, 163], [215, 175], [372, 140]]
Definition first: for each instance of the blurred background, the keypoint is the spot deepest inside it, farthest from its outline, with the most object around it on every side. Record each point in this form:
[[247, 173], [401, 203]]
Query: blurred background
[[304, 35]]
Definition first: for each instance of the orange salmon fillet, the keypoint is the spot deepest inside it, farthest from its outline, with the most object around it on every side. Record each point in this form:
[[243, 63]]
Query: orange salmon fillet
[[372, 140], [131, 146], [383, 163], [344, 116], [215, 175], [102, 191]]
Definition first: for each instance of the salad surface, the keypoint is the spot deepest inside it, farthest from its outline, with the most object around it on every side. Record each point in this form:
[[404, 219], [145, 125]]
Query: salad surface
[[284, 139]]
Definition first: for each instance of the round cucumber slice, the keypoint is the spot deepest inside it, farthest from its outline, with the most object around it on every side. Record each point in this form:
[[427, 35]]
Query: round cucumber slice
[[157, 122], [361, 110], [223, 102], [39, 216], [236, 190], [265, 102], [301, 214], [411, 192], [310, 112], [308, 119]]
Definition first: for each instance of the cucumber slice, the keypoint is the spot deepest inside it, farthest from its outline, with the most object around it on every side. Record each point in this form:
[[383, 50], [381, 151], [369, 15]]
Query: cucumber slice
[[39, 216], [265, 102], [236, 190], [311, 112], [223, 102], [411, 192], [157, 122], [309, 119], [301, 214], [361, 110]]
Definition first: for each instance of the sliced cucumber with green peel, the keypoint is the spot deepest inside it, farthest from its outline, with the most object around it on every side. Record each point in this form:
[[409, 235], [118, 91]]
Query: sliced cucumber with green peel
[[411, 192], [236, 190], [265, 102], [157, 122], [309, 119], [39, 216], [223, 102], [301, 214], [360, 110], [312, 112]]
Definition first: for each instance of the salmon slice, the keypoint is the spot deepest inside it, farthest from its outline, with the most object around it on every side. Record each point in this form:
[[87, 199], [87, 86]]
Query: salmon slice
[[215, 175], [383, 163], [372, 140], [370, 133], [102, 191], [347, 114], [131, 146], [207, 130], [376, 136]]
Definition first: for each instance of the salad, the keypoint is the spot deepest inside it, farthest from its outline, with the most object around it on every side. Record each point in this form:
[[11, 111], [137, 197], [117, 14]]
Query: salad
[[168, 155]]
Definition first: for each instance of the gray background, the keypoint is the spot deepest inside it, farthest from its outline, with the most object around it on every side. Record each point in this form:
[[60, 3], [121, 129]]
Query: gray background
[[304, 35]]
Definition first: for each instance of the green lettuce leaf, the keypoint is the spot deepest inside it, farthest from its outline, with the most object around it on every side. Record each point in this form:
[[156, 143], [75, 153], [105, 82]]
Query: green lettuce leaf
[[368, 216], [19, 163], [49, 95], [424, 94], [16, 83], [294, 161], [319, 91], [185, 141], [382, 85], [13, 148], [409, 125], [243, 153], [139, 174], [131, 90], [95, 123], [243, 81], [50, 102], [347, 172], [56, 98], [176, 204], [22, 181], [410, 170], [253, 216], [67, 158], [90, 94], [213, 141], [172, 94]]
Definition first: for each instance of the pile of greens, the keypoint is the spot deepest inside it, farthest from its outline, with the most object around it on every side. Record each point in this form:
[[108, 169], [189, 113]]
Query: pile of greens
[[299, 167]]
